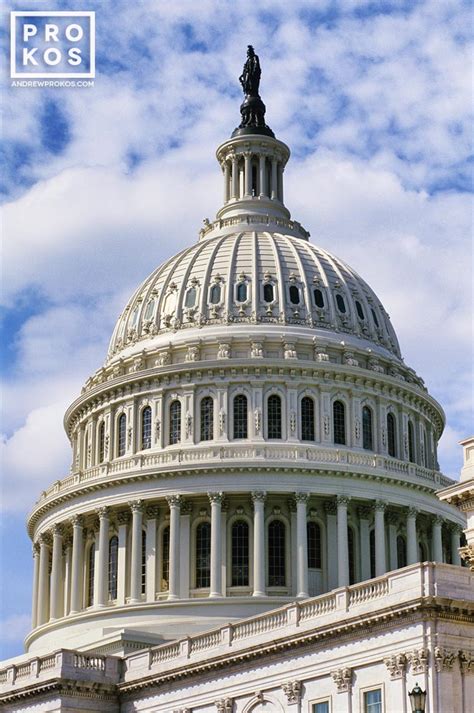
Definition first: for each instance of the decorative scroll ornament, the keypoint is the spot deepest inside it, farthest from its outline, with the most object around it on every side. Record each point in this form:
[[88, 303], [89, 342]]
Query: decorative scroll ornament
[[221, 422], [444, 659], [343, 679], [258, 421], [189, 424], [418, 660], [396, 665], [129, 437], [292, 421], [326, 425], [292, 691], [224, 351], [258, 496], [350, 359], [224, 705], [289, 351], [256, 350], [357, 429], [157, 429], [192, 354]]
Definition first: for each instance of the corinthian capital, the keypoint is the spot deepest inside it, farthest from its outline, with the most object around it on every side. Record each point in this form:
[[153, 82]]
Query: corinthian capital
[[258, 496], [174, 500], [215, 497]]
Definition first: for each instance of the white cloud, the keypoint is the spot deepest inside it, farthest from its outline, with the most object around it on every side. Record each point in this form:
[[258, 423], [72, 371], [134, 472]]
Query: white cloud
[[15, 627]]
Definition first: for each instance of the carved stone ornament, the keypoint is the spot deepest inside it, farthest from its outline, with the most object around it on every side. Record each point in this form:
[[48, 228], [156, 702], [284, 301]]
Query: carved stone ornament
[[136, 506], [224, 351], [289, 351], [444, 659], [326, 425], [292, 691], [258, 496], [224, 705], [467, 554], [357, 429], [174, 500], [189, 424], [292, 421], [396, 665], [192, 354], [256, 350], [349, 359], [258, 420], [163, 359], [215, 498], [157, 429], [130, 433], [221, 422], [343, 679], [466, 662], [418, 660], [302, 497]]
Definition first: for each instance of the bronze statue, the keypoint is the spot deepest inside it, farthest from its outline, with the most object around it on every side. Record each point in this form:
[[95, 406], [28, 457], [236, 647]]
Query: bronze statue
[[250, 77]]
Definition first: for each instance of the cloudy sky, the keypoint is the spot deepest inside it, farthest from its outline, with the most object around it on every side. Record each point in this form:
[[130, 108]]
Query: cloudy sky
[[103, 183]]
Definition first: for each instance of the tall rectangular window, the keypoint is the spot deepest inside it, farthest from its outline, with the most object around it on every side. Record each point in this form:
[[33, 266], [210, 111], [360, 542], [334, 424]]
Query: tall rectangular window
[[373, 701], [240, 416], [321, 707]]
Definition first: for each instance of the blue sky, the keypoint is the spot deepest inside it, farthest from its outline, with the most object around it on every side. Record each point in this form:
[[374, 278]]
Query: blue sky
[[102, 184]]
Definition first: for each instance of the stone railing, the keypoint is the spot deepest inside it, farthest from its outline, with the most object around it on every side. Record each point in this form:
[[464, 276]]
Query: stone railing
[[306, 456], [395, 589], [253, 219], [61, 664]]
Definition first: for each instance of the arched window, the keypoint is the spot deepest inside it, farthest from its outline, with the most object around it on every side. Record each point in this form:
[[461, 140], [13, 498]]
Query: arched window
[[411, 443], [203, 555], [339, 422], [190, 299], [314, 545], [175, 422], [122, 434], [102, 442], [90, 575], [241, 292], [294, 295], [149, 310], [360, 310], [341, 305], [268, 293], [165, 558], [143, 572], [113, 566], [318, 298], [391, 435], [401, 552], [207, 419], [374, 315], [372, 553], [307, 419], [274, 416], [215, 294], [240, 416], [367, 438], [240, 554], [351, 550], [146, 427], [276, 554]]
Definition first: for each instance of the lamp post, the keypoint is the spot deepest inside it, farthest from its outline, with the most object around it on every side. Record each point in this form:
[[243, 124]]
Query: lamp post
[[417, 699]]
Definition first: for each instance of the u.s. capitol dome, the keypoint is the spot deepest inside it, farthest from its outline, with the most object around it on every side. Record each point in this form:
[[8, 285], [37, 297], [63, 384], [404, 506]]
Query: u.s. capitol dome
[[252, 437]]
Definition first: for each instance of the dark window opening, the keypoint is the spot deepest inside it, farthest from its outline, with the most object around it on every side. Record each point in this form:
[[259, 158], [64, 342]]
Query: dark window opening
[[122, 434], [113, 566], [268, 293], [276, 554], [367, 438], [203, 555], [240, 416], [274, 416], [240, 554], [411, 443], [190, 300], [360, 310], [391, 435], [339, 422], [241, 292], [175, 422], [294, 295], [375, 318], [215, 294], [207, 419], [341, 305], [401, 552], [318, 298], [314, 545], [307, 419], [146, 428]]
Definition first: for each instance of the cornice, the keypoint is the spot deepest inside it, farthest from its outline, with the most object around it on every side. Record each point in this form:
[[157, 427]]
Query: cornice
[[92, 690]]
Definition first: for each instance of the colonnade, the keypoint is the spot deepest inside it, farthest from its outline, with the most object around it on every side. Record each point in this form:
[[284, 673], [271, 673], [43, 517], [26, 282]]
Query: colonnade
[[250, 174], [59, 586]]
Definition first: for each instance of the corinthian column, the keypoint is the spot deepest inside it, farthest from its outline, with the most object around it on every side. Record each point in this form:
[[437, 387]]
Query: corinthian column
[[380, 557], [437, 539], [258, 544], [455, 544], [56, 573], [412, 538], [248, 173], [43, 585], [342, 543], [301, 545], [103, 557], [216, 545], [174, 502], [77, 564], [136, 558], [34, 603]]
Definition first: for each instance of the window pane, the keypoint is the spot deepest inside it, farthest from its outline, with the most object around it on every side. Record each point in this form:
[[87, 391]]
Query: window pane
[[190, 297], [401, 552], [203, 555], [276, 554], [240, 416], [241, 292], [215, 294], [102, 442], [372, 553], [340, 303], [113, 566], [321, 707], [360, 310], [146, 427], [165, 555], [143, 572], [391, 435], [318, 298], [314, 545], [294, 295], [240, 554], [175, 422], [149, 309], [411, 443], [268, 293], [122, 434], [367, 440], [274, 416], [375, 317], [339, 422], [90, 582], [307, 419], [207, 419], [350, 545], [373, 701]]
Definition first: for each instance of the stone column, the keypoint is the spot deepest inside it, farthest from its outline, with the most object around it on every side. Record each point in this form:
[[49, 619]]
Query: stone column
[[258, 543], [216, 545], [274, 193], [263, 175], [43, 583], [150, 588], [247, 174], [56, 573], [364, 517], [235, 178], [123, 519], [301, 545], [103, 558], [34, 598], [437, 540], [331, 542], [226, 181], [342, 543], [380, 558], [455, 544], [174, 502], [392, 519], [136, 559], [67, 552], [77, 564], [412, 537], [280, 181]]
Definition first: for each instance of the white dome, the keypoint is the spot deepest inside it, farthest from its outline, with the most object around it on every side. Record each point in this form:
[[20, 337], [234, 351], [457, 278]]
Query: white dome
[[254, 278]]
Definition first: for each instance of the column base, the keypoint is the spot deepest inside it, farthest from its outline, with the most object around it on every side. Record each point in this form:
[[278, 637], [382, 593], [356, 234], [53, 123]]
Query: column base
[[215, 595], [130, 601], [172, 597], [259, 594], [302, 595]]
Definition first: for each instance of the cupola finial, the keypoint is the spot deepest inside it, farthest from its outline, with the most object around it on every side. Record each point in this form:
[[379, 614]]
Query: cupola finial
[[252, 108]]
